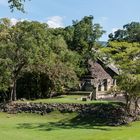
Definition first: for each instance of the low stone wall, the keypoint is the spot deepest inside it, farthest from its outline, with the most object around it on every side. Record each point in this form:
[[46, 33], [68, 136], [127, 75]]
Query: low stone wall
[[113, 114]]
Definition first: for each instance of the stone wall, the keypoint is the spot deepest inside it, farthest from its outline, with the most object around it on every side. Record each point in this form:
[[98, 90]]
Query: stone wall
[[113, 114]]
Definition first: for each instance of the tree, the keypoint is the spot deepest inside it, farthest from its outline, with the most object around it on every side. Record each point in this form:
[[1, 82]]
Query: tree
[[63, 73], [129, 33], [85, 34], [21, 48], [82, 37], [18, 4], [126, 57], [31, 48], [129, 86]]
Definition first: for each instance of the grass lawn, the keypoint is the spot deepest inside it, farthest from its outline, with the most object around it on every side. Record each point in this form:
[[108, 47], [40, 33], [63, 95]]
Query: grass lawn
[[56, 126], [67, 99]]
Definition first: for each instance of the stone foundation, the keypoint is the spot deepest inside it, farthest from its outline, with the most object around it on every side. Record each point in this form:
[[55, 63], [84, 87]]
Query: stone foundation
[[113, 114]]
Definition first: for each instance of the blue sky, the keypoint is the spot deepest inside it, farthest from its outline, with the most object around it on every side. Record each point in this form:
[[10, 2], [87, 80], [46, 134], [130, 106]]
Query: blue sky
[[111, 14]]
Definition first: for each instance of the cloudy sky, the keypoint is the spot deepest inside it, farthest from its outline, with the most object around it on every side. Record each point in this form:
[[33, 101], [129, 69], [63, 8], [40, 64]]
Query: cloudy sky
[[111, 14]]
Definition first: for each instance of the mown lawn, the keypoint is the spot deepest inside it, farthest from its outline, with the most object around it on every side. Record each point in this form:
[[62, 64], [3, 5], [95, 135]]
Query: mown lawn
[[57, 126], [66, 99]]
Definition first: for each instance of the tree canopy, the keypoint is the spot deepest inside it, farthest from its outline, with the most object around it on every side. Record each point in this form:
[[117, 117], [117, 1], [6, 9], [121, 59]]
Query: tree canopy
[[21, 46], [123, 50], [35, 50], [82, 37], [126, 56], [129, 33], [16, 4]]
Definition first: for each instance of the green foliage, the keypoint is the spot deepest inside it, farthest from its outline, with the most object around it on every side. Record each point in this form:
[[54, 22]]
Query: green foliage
[[31, 47], [21, 49], [4, 76], [18, 4], [63, 73], [129, 33], [85, 34], [82, 37], [125, 55], [129, 84], [30, 51]]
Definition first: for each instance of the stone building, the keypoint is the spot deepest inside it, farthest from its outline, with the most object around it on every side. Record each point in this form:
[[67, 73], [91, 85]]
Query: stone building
[[99, 79]]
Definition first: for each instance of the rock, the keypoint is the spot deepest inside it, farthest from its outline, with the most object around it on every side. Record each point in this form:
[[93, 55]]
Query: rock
[[83, 99], [113, 115], [22, 99]]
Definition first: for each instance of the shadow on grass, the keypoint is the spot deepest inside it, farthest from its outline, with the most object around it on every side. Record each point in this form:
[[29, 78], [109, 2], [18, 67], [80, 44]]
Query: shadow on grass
[[76, 122]]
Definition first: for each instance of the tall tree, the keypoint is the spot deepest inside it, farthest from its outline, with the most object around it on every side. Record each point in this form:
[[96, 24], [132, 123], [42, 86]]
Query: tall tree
[[32, 47], [82, 37], [126, 57], [129, 33], [21, 46], [129, 86], [85, 34], [63, 73]]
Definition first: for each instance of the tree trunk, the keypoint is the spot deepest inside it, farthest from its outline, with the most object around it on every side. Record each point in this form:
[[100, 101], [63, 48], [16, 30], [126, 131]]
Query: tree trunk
[[128, 104], [13, 95], [15, 91], [15, 76], [136, 100]]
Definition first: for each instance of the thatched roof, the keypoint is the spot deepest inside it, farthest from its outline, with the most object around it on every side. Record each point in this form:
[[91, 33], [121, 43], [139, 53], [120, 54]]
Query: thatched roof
[[98, 70]]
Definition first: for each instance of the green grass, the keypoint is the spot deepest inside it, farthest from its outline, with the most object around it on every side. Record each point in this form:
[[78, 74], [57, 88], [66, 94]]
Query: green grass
[[66, 99], [56, 126]]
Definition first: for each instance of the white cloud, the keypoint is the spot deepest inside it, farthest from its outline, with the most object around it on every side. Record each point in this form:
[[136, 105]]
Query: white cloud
[[3, 2], [14, 21], [114, 30], [55, 22]]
